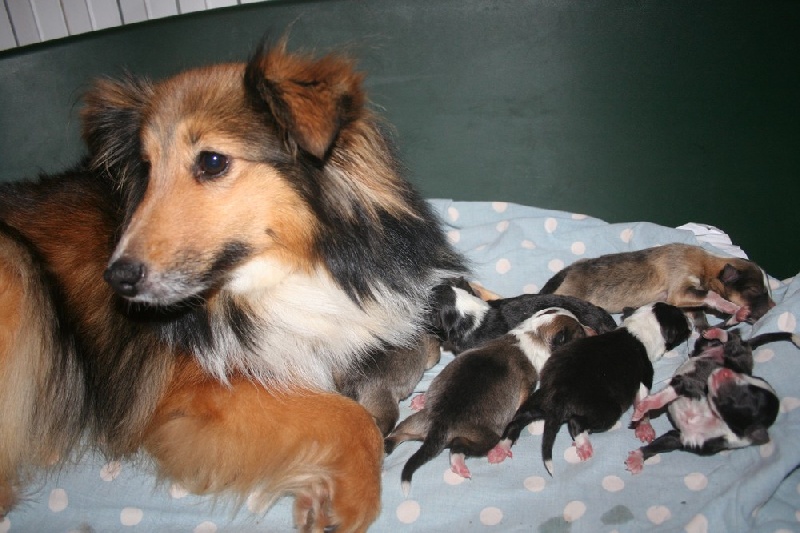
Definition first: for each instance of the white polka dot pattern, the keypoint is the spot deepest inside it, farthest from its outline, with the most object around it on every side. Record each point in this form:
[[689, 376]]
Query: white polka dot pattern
[[513, 249], [130, 516]]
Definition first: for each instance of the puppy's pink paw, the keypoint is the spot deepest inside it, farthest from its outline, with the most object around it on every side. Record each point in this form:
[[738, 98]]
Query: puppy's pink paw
[[583, 447], [500, 452], [418, 402], [644, 431], [640, 409], [458, 466], [742, 314], [716, 333], [635, 462]]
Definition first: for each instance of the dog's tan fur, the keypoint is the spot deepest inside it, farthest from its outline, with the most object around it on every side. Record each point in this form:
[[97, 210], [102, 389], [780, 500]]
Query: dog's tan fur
[[254, 286], [321, 447], [682, 275]]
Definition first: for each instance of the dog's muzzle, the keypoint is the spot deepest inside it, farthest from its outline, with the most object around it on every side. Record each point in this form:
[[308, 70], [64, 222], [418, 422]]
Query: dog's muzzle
[[125, 277]]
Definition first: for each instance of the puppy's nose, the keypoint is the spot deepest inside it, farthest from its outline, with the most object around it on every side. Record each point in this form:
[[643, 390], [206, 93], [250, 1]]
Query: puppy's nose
[[124, 276]]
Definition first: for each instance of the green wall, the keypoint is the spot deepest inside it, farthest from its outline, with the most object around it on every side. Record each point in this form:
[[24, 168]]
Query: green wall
[[666, 111]]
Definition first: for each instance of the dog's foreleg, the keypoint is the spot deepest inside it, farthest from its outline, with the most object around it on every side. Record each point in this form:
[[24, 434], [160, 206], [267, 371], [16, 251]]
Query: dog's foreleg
[[243, 439]]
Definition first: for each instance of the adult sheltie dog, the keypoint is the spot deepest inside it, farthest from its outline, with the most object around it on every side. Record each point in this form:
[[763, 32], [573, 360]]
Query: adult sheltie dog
[[256, 238]]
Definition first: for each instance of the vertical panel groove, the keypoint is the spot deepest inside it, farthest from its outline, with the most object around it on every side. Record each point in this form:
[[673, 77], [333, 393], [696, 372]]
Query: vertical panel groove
[[34, 21]]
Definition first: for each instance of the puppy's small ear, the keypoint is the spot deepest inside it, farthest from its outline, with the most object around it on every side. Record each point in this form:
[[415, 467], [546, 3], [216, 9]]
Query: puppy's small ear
[[729, 274], [759, 436], [310, 100], [627, 311], [111, 122]]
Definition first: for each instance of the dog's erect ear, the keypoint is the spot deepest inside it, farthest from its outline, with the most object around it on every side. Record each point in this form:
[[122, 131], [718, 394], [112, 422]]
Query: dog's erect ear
[[729, 274], [311, 100], [112, 118]]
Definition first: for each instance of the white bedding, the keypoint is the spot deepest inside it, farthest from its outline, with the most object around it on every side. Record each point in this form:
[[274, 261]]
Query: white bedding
[[513, 249]]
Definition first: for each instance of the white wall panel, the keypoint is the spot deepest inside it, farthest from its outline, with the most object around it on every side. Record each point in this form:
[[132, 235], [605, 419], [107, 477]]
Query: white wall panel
[[24, 22], [104, 13], [157, 9], [49, 19], [76, 15], [7, 39], [189, 6], [132, 11], [220, 3], [21, 16]]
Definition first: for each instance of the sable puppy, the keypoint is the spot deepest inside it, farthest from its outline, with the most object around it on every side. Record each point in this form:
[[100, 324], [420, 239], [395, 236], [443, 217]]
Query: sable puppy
[[680, 274], [475, 396], [590, 382], [379, 382], [462, 320], [714, 403]]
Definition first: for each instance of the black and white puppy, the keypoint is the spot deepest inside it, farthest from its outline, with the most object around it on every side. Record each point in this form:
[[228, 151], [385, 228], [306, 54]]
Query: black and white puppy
[[590, 382], [462, 320], [474, 397], [713, 401], [387, 376]]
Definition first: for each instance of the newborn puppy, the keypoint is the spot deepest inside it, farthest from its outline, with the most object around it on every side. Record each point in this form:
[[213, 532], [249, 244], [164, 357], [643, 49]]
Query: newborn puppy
[[680, 274], [379, 382], [462, 320], [714, 403], [473, 398], [590, 382]]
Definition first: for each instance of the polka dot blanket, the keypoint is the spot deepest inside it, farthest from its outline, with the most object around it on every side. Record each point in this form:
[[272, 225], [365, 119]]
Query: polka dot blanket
[[513, 249]]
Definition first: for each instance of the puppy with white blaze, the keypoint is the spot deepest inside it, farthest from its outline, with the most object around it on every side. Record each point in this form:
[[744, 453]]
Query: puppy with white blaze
[[474, 397], [463, 320], [588, 383]]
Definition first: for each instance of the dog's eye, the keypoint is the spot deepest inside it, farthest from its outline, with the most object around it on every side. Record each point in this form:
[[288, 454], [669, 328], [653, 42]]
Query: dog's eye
[[211, 164]]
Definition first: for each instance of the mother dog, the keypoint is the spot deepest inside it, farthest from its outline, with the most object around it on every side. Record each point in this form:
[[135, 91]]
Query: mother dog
[[256, 237]]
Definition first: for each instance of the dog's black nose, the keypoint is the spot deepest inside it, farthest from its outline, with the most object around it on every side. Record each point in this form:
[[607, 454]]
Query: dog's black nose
[[124, 276]]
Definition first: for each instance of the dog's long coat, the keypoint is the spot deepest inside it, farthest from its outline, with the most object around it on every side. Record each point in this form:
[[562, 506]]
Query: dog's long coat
[[253, 225]]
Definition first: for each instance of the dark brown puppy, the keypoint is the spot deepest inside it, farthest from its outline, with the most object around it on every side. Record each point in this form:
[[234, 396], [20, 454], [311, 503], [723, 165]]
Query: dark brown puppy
[[473, 398], [683, 275]]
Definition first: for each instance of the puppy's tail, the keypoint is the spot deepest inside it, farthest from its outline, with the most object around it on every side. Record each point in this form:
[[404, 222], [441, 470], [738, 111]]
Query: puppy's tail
[[434, 443], [766, 338], [551, 427], [554, 283], [529, 411]]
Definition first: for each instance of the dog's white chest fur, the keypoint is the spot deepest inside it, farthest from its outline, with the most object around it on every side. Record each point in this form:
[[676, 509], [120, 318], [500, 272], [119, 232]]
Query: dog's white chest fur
[[306, 327]]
